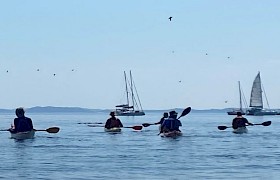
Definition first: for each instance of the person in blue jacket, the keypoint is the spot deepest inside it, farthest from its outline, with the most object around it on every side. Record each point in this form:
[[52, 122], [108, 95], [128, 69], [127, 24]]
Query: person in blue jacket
[[21, 123], [171, 124]]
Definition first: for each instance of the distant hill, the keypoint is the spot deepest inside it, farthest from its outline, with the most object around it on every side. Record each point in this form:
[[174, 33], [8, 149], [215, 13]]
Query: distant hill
[[51, 109]]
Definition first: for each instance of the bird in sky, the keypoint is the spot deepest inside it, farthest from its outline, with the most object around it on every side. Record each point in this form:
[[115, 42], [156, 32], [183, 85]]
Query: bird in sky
[[170, 18], [54, 74]]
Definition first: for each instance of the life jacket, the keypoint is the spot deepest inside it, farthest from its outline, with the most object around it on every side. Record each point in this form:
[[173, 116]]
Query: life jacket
[[113, 122], [23, 124]]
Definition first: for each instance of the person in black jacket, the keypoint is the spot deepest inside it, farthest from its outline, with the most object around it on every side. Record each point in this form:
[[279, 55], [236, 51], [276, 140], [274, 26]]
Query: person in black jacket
[[21, 123], [240, 121], [113, 121]]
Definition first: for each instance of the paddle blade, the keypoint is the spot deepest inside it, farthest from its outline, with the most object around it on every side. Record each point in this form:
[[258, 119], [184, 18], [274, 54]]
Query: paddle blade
[[186, 111], [146, 124], [222, 127], [267, 123], [137, 127], [53, 130]]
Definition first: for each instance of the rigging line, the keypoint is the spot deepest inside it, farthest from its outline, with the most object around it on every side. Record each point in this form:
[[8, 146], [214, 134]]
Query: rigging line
[[265, 96], [133, 100], [126, 89], [244, 98], [131, 89], [137, 96]]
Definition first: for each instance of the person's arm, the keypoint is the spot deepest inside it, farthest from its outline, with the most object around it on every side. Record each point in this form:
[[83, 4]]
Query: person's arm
[[162, 126], [234, 124], [179, 122], [30, 123], [120, 123], [107, 124], [249, 122]]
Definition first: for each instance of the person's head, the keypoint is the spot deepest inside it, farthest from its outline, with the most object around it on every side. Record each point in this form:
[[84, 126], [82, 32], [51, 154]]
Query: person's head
[[20, 112], [165, 115], [173, 114], [112, 113], [239, 114]]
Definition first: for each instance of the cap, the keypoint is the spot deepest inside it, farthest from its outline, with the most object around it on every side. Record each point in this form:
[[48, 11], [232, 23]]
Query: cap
[[173, 113]]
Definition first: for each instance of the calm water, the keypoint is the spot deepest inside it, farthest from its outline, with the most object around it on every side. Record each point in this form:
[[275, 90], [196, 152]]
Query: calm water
[[82, 152]]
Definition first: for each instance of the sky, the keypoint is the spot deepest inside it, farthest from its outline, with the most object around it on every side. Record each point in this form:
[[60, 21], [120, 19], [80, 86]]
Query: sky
[[196, 59]]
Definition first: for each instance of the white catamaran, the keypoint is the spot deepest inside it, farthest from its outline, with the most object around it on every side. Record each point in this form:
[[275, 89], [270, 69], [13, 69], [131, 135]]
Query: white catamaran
[[133, 106], [256, 101]]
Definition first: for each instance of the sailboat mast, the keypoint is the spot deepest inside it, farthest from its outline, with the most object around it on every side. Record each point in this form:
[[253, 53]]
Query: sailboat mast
[[240, 100], [131, 87], [126, 89]]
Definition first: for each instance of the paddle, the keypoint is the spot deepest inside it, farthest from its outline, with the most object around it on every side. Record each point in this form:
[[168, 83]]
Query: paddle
[[49, 130], [133, 127], [266, 123], [90, 123], [185, 112]]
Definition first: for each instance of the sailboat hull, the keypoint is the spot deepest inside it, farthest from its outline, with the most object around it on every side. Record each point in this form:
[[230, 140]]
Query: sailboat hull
[[235, 112], [261, 112], [130, 113]]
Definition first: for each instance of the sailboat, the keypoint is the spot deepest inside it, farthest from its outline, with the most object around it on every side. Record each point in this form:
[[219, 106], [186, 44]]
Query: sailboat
[[133, 106], [234, 111], [256, 100]]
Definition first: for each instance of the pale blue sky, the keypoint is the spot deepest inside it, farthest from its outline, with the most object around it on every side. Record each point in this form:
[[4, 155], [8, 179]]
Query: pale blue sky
[[101, 39]]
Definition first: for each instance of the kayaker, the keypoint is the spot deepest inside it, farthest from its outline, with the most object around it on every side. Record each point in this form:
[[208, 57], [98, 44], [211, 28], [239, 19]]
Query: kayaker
[[165, 115], [113, 121], [21, 123], [240, 121], [171, 123]]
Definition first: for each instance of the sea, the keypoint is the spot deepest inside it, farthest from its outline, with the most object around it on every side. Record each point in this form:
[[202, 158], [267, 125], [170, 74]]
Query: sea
[[80, 152]]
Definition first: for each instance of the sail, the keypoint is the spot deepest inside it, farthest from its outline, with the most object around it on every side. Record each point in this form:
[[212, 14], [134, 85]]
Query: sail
[[256, 93]]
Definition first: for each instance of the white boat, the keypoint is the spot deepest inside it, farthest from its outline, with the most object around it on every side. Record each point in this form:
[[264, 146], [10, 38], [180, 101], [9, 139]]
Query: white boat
[[234, 111], [171, 134], [23, 135], [133, 106], [256, 100], [240, 130], [113, 130]]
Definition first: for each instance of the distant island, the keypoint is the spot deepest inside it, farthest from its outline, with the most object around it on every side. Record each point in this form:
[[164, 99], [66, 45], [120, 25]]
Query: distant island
[[52, 109]]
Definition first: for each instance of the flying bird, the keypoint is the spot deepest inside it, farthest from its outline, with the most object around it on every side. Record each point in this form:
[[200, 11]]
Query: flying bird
[[170, 18]]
